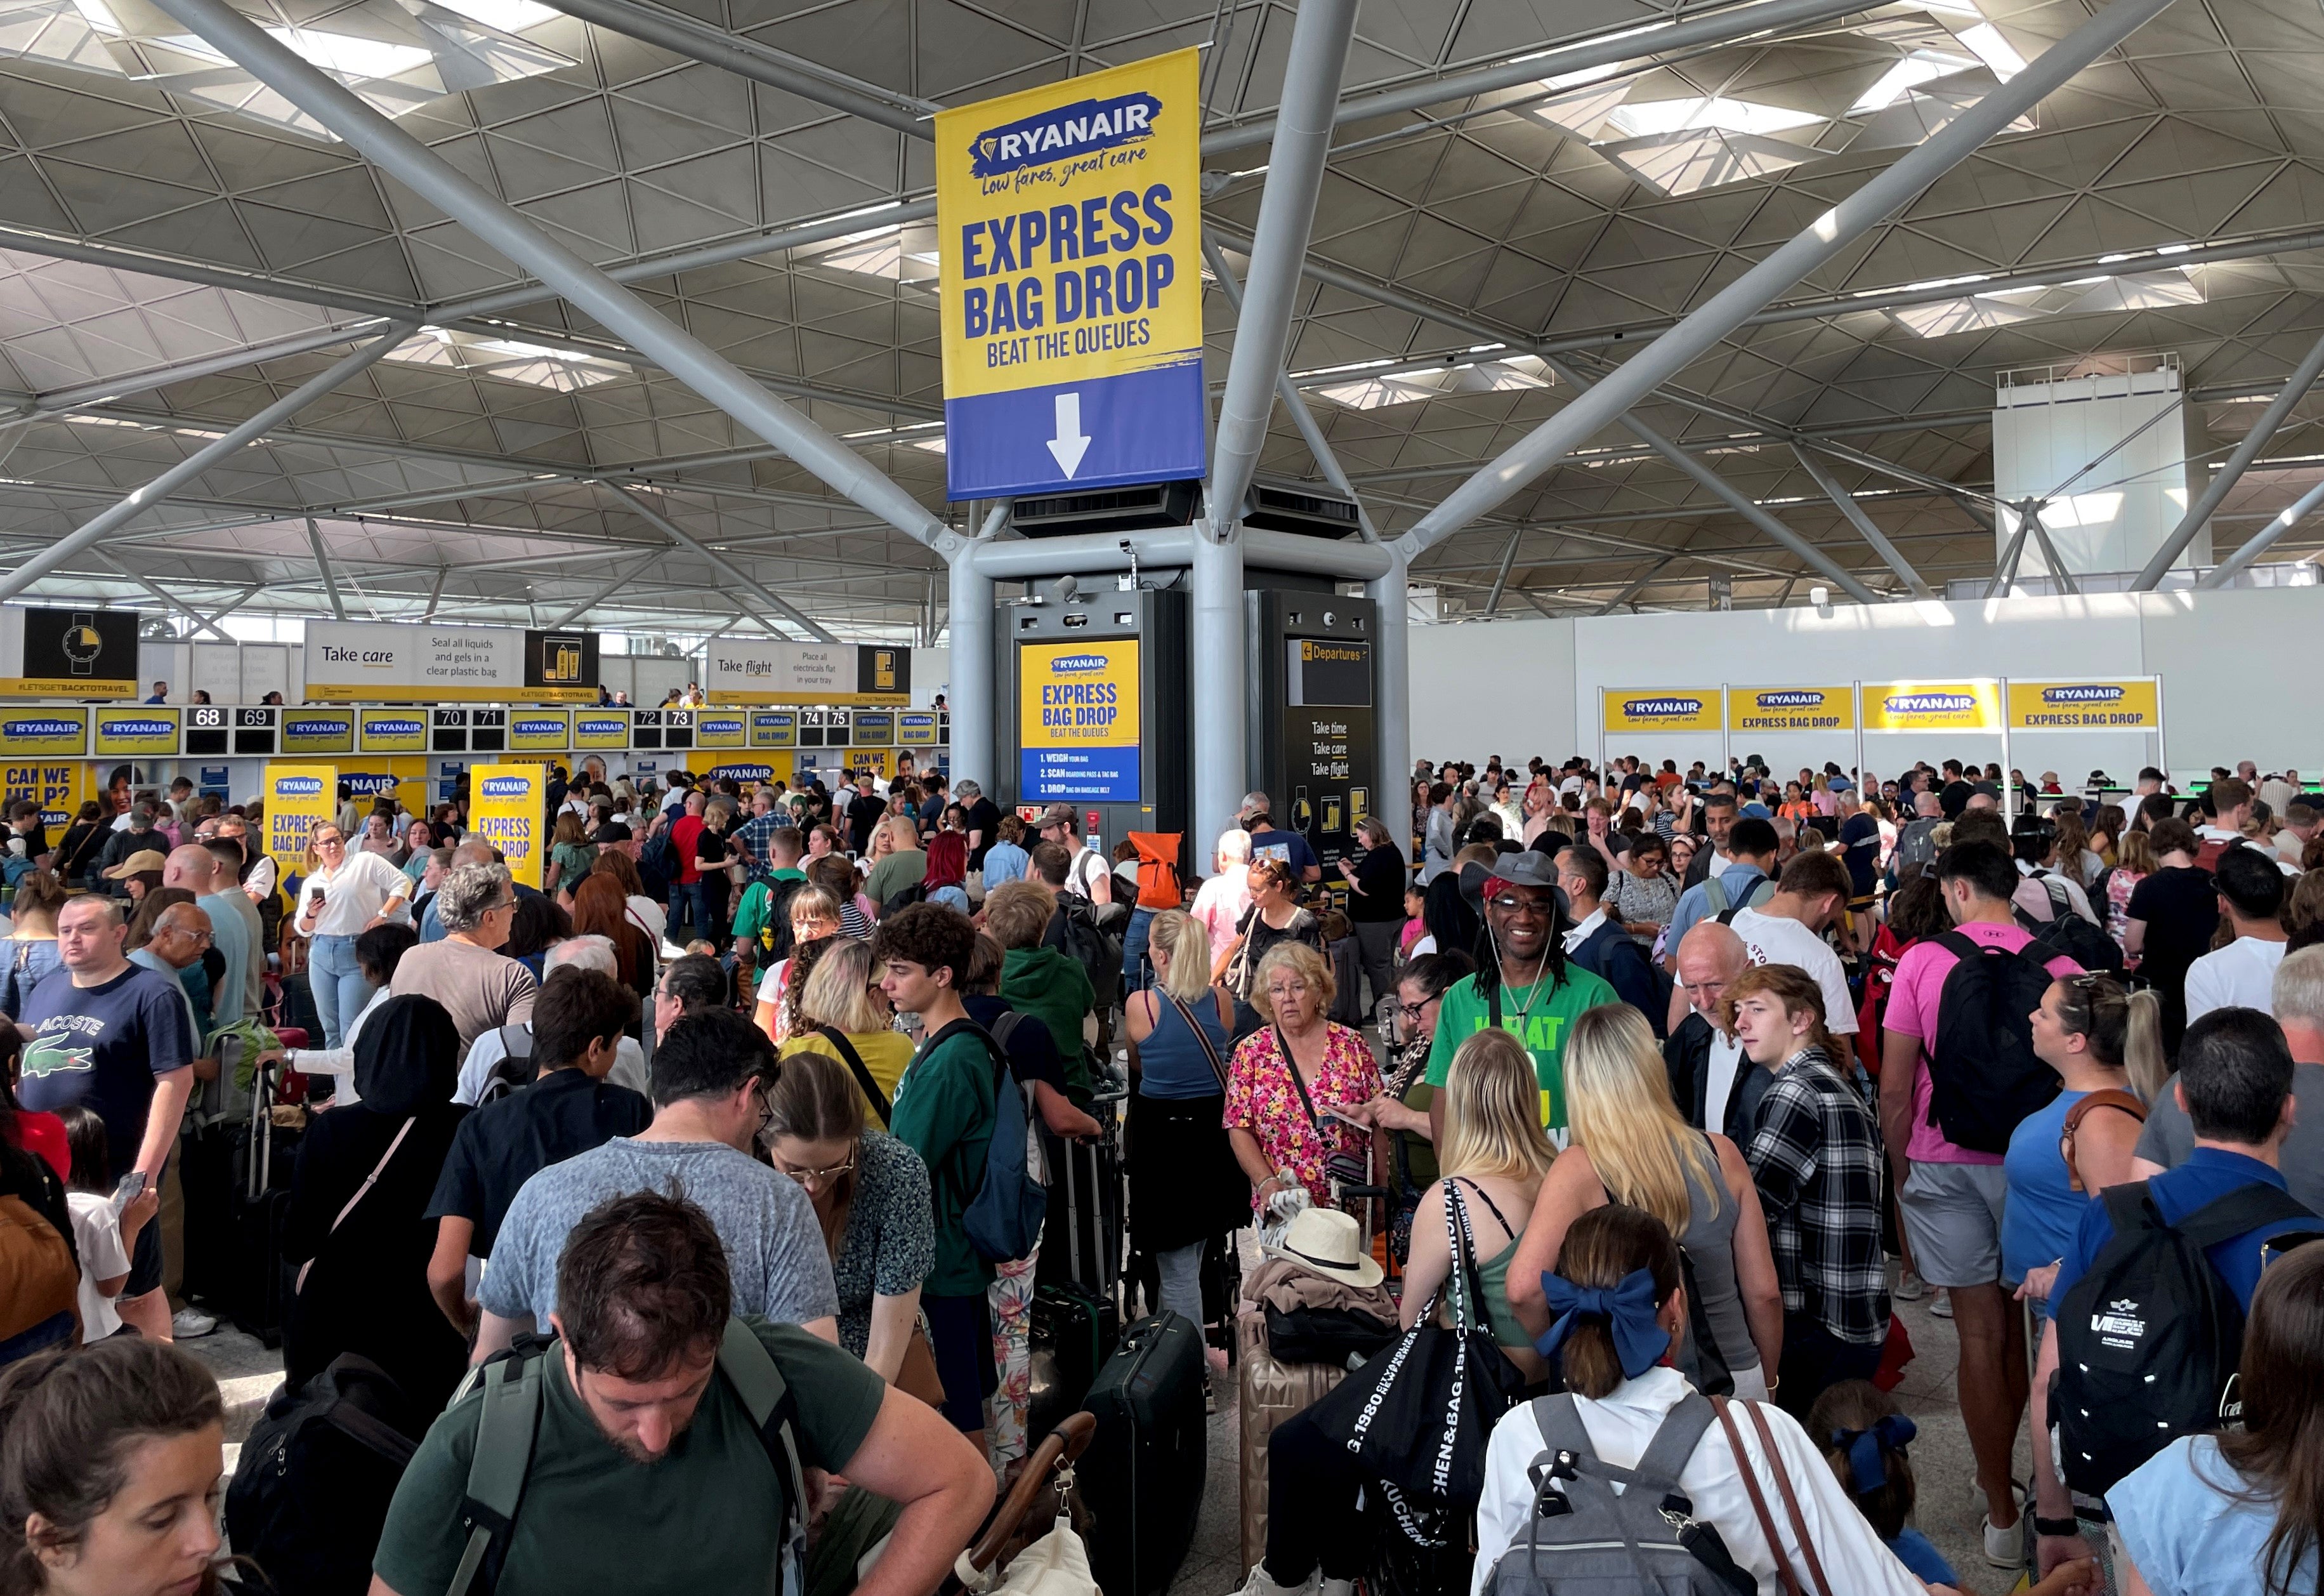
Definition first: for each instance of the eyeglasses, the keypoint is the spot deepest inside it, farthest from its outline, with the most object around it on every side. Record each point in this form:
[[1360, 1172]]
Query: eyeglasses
[[816, 1176], [1510, 903]]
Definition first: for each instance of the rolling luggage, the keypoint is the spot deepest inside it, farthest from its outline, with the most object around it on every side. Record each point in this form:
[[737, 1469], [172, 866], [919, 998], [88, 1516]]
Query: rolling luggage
[[1142, 1477], [1088, 1226], [1074, 1333], [258, 1286], [1268, 1393]]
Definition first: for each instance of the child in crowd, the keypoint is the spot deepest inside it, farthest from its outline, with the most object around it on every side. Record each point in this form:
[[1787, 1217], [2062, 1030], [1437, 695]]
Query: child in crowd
[[1415, 899], [105, 1239], [1863, 1437]]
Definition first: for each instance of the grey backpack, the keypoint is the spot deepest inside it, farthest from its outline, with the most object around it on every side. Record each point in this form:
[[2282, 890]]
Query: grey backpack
[[1583, 1539]]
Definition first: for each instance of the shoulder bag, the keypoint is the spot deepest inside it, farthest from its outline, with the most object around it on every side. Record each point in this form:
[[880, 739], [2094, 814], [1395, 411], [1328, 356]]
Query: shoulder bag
[[855, 1065], [1210, 1050], [369, 1181], [1784, 1578]]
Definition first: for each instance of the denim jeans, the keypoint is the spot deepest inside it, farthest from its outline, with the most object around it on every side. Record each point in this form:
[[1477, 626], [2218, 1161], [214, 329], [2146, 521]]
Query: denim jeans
[[1179, 1270], [1133, 950], [690, 903], [338, 985]]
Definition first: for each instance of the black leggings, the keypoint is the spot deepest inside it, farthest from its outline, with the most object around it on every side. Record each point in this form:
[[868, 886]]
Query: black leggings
[[1312, 1515]]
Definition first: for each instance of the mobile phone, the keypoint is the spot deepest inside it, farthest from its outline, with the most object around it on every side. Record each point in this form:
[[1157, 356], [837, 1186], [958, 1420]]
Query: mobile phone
[[129, 1188]]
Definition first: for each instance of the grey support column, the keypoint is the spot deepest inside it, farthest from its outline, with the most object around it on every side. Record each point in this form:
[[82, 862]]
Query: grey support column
[[751, 585], [1701, 331], [590, 290], [186, 470], [1392, 697], [2299, 510], [975, 717], [1863, 522], [2295, 389], [323, 569], [1216, 678]]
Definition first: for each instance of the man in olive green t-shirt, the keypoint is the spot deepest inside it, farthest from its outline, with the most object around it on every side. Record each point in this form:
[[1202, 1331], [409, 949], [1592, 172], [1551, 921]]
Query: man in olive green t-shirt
[[1540, 994], [646, 1472]]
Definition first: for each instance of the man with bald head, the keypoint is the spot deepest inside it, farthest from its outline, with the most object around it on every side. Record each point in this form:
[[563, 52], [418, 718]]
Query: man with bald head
[[1714, 1084], [195, 868]]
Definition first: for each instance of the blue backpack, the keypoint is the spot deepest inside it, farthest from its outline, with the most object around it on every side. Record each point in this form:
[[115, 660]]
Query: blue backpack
[[1003, 1220]]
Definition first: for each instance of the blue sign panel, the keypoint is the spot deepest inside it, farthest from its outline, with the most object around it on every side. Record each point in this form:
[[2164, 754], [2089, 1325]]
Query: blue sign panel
[[1143, 426], [1078, 775]]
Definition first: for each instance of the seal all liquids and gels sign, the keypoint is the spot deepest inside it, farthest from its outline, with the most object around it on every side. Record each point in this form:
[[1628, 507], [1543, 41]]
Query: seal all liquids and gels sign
[[1069, 226], [1078, 723]]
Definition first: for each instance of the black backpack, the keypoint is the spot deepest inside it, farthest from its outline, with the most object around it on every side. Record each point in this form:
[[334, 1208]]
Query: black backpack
[[1097, 951], [310, 1493], [2066, 931], [1983, 1076], [2149, 1340], [776, 937]]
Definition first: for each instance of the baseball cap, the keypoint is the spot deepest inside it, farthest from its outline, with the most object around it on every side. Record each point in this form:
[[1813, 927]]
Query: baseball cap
[[137, 864]]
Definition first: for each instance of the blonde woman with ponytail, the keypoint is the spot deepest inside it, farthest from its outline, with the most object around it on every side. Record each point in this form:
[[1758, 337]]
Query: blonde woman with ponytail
[[1494, 1146], [1630, 1145]]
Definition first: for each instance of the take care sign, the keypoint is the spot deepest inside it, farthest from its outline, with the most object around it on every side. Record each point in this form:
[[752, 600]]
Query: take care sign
[[1068, 221]]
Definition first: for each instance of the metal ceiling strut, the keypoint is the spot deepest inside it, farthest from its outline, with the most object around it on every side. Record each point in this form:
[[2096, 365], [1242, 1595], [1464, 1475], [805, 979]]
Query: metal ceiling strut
[[1669, 355]]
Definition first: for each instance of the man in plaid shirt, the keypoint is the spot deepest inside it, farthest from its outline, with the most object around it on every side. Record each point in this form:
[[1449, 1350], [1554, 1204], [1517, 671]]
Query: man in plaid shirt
[[1815, 1158], [767, 818]]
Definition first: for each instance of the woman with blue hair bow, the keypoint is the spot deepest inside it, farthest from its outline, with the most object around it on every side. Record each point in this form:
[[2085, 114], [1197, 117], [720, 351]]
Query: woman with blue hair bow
[[1619, 1312]]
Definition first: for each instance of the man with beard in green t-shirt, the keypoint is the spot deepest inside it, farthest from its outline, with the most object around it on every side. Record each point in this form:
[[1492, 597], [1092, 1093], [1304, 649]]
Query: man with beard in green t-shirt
[[1527, 987]]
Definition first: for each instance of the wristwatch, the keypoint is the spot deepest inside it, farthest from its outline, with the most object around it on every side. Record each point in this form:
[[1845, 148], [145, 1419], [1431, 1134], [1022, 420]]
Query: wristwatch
[[2061, 1528]]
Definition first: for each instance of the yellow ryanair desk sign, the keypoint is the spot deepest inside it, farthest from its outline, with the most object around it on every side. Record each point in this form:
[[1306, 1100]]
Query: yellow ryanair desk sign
[[298, 798], [721, 728], [1662, 709], [1973, 705], [2124, 704], [507, 805], [393, 730], [37, 731], [1791, 709], [127, 732], [774, 728], [1068, 218], [318, 731], [540, 731]]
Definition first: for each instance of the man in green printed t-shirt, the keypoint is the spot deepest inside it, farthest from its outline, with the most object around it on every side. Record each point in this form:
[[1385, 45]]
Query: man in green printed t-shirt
[[1528, 986], [946, 1109]]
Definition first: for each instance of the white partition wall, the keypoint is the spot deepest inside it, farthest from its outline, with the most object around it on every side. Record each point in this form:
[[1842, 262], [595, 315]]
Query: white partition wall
[[1521, 688], [2108, 451]]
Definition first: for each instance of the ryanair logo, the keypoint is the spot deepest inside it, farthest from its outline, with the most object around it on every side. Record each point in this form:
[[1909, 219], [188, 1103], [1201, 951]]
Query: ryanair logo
[[2089, 693], [1660, 708], [1930, 703], [1789, 699], [538, 728], [505, 787], [1077, 664], [599, 727], [728, 725], [321, 728], [745, 772], [298, 786], [378, 727], [369, 784], [42, 728], [137, 728], [1059, 134]]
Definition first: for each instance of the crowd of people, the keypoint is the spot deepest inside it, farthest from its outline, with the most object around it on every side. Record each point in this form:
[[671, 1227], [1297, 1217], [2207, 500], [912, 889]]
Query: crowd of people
[[1666, 1084]]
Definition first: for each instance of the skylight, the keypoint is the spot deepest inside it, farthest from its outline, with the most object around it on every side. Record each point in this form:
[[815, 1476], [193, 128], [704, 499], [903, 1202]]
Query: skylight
[[1686, 163], [507, 359], [1492, 376], [2006, 307], [1709, 113], [1922, 66], [900, 254]]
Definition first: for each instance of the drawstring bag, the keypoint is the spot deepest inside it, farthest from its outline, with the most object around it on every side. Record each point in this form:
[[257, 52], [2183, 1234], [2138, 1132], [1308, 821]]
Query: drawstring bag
[[1418, 1415]]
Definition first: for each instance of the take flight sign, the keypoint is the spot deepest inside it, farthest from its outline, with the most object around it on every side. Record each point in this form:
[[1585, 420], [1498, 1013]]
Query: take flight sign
[[1069, 223]]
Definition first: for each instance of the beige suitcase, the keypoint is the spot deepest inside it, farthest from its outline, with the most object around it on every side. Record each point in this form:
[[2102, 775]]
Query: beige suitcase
[[1268, 1392]]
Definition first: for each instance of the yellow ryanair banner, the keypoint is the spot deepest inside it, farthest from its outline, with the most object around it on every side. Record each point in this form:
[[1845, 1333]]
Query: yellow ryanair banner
[[507, 805], [879, 761], [601, 728], [140, 731], [297, 797], [1662, 709], [318, 731], [1077, 723], [2125, 704], [61, 786], [36, 730], [1068, 221], [1972, 706], [721, 728], [774, 728], [393, 730], [1791, 709], [540, 731]]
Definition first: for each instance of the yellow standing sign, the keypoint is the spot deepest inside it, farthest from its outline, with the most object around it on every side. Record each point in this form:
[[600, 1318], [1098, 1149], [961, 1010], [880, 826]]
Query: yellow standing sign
[[1664, 709], [507, 806], [297, 797], [1971, 705], [1068, 223], [2121, 704]]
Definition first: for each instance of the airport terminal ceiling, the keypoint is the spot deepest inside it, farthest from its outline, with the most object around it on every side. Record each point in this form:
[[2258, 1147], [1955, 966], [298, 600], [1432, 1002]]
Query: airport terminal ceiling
[[180, 247]]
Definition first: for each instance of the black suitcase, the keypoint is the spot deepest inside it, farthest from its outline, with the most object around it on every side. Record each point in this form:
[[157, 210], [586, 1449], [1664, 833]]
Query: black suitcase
[[1088, 1227], [1142, 1476], [264, 1155], [1074, 1333]]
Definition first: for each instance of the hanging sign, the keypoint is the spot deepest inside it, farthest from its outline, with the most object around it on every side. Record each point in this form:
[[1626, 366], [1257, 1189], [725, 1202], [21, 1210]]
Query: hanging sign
[[394, 662], [68, 653], [1791, 709], [507, 804], [1932, 707], [298, 799], [1068, 219], [2128, 704], [1662, 709], [743, 670]]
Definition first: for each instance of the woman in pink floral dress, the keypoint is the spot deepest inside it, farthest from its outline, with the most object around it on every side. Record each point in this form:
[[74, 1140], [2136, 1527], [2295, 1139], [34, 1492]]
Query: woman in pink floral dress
[[1280, 1122]]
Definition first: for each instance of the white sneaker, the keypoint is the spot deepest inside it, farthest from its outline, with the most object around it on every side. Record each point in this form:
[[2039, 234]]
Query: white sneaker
[[2005, 1549], [1942, 1308], [188, 1324], [1910, 1287], [1259, 1584]]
